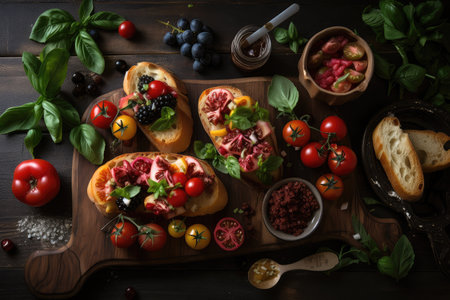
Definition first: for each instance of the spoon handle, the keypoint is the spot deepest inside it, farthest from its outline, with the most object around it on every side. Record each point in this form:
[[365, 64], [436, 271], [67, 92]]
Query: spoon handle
[[321, 261]]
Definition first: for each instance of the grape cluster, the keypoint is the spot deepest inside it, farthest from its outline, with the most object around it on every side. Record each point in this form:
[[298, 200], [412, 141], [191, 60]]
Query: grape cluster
[[147, 114], [195, 40]]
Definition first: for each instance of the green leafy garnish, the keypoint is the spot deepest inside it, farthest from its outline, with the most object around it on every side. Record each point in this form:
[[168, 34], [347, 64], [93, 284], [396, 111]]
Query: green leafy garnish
[[158, 188], [166, 120], [289, 36], [272, 163], [126, 192], [244, 118], [283, 95]]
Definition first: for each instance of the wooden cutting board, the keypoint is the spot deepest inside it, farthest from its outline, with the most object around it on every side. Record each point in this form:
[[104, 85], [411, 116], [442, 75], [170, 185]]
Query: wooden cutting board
[[61, 272]]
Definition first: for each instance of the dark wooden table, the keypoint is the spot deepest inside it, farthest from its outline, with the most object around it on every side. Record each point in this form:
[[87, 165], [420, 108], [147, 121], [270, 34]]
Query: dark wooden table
[[221, 279]]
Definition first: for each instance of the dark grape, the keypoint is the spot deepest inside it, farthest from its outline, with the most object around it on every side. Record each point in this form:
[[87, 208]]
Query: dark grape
[[198, 50], [170, 39], [216, 60], [206, 28], [92, 89], [94, 34], [183, 24], [198, 66], [77, 77], [188, 36], [196, 25], [180, 40], [206, 59], [8, 245], [78, 90], [121, 66], [205, 38], [185, 49]]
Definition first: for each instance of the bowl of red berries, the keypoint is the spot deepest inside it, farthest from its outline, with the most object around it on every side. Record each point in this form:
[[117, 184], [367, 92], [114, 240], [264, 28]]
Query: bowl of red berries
[[336, 66]]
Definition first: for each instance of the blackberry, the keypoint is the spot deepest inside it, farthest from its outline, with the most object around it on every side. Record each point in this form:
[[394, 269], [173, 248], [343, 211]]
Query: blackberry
[[144, 80], [134, 202], [147, 115], [165, 100]]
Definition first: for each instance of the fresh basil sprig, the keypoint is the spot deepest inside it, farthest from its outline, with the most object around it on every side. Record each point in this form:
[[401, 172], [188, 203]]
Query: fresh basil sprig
[[128, 191], [58, 29], [167, 119], [289, 36], [158, 189], [266, 167], [283, 95], [229, 165], [46, 77], [244, 118]]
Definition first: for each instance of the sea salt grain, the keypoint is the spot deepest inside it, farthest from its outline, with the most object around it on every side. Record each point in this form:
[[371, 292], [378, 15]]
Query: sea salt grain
[[51, 231]]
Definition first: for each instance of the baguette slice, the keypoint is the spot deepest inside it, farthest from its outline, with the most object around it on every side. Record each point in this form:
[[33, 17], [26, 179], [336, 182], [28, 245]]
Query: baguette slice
[[177, 138], [208, 126], [212, 200], [430, 147], [399, 159]]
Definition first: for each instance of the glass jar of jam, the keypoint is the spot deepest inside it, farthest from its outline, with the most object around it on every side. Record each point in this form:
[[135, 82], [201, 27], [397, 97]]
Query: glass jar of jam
[[254, 56]]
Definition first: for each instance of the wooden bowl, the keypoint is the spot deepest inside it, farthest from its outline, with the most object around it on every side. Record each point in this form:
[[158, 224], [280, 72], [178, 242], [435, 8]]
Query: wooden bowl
[[314, 90]]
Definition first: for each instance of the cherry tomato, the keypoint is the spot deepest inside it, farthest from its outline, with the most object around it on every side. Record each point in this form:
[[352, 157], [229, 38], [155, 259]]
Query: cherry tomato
[[35, 182], [313, 155], [334, 125], [124, 234], [341, 87], [197, 236], [177, 197], [152, 237], [180, 178], [330, 186], [342, 160], [156, 88], [296, 133], [194, 187], [103, 114], [127, 29], [177, 228], [229, 234], [124, 127]]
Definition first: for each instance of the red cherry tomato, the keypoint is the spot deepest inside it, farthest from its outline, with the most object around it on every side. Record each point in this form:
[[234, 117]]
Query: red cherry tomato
[[35, 182], [296, 133], [334, 125], [229, 234], [194, 187], [124, 234], [313, 155], [177, 197], [156, 88], [152, 237], [103, 114], [179, 178], [127, 29], [342, 160], [330, 186]]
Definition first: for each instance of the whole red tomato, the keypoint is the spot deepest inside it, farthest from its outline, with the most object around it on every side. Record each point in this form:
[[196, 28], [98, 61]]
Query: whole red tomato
[[124, 234], [335, 126], [156, 88], [229, 234], [127, 29], [194, 187], [103, 114], [330, 186], [296, 133], [152, 237], [313, 155], [180, 178], [177, 197], [35, 182], [342, 160]]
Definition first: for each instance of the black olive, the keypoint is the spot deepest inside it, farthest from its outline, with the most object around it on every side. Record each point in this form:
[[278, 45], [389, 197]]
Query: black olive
[[77, 77], [121, 66]]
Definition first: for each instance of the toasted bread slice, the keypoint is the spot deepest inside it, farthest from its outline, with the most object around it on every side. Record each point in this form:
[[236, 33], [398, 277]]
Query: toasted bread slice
[[217, 140], [177, 138], [399, 159], [430, 147], [212, 200]]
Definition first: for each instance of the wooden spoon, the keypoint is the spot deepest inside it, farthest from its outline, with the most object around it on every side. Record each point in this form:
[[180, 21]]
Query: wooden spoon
[[322, 261]]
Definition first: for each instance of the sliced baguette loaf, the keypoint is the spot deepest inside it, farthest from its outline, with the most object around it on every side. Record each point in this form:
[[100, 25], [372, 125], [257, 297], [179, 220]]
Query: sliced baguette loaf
[[430, 147], [399, 159], [177, 138]]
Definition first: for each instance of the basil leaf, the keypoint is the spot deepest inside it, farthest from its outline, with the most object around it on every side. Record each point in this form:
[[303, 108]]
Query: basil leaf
[[32, 139], [219, 164], [106, 20], [240, 118], [31, 64], [282, 94], [372, 17], [366, 239], [53, 121], [88, 52], [410, 76], [443, 74], [64, 43], [266, 167], [233, 167], [88, 142], [157, 188], [205, 151], [18, 118], [292, 32], [51, 25], [281, 35], [403, 256], [391, 33], [126, 192], [371, 201], [429, 12], [293, 45], [52, 72], [259, 113], [394, 15], [386, 266], [166, 120], [85, 10], [383, 68], [69, 114]]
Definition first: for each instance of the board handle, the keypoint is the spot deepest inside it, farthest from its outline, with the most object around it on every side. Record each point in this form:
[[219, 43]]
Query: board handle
[[53, 273], [440, 243]]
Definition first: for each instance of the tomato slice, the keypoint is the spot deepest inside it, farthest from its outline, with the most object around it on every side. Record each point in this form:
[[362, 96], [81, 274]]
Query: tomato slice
[[229, 234]]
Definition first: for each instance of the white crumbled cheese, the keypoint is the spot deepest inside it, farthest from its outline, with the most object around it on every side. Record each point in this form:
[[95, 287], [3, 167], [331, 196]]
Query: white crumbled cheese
[[254, 138], [357, 236], [344, 206], [126, 201], [232, 105]]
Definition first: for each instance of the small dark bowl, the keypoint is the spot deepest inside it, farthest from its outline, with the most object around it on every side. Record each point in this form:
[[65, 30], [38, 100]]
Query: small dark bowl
[[313, 224]]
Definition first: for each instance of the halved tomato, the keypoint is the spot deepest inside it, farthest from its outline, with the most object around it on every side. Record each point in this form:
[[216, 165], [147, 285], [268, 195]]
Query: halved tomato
[[229, 234]]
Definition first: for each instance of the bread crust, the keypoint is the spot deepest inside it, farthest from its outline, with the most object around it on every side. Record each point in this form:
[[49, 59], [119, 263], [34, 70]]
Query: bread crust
[[177, 139], [382, 146], [210, 201], [207, 126]]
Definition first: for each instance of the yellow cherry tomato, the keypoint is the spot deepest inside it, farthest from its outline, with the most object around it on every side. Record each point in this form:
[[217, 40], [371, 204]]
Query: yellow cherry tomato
[[177, 228], [197, 236], [124, 128]]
